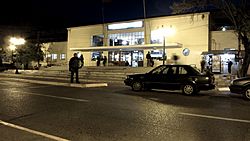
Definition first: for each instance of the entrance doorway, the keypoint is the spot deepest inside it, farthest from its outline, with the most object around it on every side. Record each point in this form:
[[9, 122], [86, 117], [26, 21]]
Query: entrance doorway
[[126, 58]]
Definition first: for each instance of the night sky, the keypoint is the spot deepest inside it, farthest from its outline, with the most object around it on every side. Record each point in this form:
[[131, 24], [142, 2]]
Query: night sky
[[62, 13], [51, 17]]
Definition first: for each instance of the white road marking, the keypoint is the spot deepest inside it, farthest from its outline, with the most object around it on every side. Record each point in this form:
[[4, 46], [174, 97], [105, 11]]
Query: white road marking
[[57, 97], [33, 131], [215, 117]]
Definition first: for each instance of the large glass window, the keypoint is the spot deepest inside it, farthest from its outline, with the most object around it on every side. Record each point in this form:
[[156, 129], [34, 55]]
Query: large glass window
[[123, 39], [128, 25], [54, 56], [97, 40], [156, 38], [95, 55], [63, 56]]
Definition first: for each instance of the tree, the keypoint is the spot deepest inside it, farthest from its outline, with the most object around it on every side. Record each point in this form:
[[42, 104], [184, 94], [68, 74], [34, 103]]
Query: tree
[[28, 53], [235, 10]]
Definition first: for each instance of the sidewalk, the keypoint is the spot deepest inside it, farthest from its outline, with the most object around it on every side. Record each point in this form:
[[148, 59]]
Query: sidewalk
[[49, 80]]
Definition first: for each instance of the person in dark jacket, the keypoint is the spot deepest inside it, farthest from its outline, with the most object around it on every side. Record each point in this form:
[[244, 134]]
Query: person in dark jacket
[[104, 62], [74, 67], [98, 61], [148, 57]]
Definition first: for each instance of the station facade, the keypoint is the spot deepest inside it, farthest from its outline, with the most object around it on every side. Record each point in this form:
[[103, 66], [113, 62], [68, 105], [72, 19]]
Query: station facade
[[186, 36]]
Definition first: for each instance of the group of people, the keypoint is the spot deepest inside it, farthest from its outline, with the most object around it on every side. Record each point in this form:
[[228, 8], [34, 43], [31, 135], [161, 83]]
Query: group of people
[[231, 67], [104, 61]]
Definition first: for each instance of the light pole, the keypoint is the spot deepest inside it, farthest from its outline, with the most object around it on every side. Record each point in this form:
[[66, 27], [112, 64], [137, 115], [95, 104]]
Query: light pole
[[14, 42], [164, 51], [165, 32]]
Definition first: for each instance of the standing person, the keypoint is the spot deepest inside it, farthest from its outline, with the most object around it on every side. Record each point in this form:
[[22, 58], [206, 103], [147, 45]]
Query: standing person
[[104, 61], [229, 66], [82, 61], [98, 61], [203, 64], [73, 68], [152, 62], [148, 57]]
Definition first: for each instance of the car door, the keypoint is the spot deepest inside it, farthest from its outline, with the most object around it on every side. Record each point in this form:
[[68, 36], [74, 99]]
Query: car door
[[182, 76], [153, 78], [169, 76]]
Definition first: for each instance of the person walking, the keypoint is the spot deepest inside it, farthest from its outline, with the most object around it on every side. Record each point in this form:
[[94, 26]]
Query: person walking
[[74, 67], [104, 62], [148, 57]]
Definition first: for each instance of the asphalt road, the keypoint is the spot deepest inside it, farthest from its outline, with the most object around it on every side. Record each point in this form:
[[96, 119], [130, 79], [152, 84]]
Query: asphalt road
[[34, 112]]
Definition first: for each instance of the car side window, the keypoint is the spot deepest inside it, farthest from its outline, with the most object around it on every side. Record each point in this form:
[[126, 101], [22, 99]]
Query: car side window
[[182, 70], [165, 71], [169, 71], [158, 70]]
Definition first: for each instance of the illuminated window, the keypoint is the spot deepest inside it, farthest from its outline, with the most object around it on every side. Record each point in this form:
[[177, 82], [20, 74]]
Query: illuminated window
[[137, 24], [97, 40], [63, 56], [54, 56], [124, 39]]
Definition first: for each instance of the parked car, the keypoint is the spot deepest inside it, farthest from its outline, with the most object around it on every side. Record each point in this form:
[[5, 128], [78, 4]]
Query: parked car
[[241, 86], [172, 77]]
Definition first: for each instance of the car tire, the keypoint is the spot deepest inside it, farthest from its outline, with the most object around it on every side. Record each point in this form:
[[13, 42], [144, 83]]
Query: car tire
[[137, 86], [188, 89], [247, 93]]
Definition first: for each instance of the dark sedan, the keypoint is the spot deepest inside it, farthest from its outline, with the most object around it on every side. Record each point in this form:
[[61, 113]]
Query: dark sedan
[[172, 77], [241, 86]]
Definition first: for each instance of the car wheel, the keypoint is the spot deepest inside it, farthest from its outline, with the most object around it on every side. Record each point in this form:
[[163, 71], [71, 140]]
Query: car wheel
[[137, 86], [188, 89], [247, 93]]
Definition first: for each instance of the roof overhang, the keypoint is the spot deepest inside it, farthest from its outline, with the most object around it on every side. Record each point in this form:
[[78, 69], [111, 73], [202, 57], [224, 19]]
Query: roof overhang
[[219, 52], [128, 48]]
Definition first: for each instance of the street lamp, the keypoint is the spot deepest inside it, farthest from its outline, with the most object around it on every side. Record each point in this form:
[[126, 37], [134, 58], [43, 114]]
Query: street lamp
[[165, 32], [14, 42]]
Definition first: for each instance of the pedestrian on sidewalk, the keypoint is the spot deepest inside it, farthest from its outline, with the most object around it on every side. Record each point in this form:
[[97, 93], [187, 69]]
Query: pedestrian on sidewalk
[[104, 62], [148, 57], [203, 64], [98, 61], [82, 61], [74, 67], [229, 66]]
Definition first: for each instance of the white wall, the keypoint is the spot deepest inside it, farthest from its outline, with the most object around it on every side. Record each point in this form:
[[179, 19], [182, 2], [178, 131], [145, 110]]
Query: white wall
[[192, 31], [224, 39], [80, 37]]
